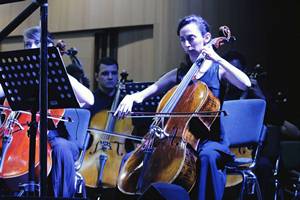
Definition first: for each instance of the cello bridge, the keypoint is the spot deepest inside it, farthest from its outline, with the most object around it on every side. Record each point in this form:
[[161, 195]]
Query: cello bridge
[[158, 132]]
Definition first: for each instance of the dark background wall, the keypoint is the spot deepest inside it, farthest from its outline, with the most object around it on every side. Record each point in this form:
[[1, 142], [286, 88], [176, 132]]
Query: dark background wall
[[283, 41], [267, 33]]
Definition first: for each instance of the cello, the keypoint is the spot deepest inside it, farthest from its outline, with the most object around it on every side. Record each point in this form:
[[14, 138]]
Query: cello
[[102, 160], [14, 145], [16, 141], [167, 153]]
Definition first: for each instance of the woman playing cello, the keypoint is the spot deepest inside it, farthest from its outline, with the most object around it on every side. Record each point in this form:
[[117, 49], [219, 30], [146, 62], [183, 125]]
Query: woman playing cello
[[194, 36], [64, 152]]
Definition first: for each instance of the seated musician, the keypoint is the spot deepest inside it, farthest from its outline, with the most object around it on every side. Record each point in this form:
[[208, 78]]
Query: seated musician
[[213, 152], [106, 76], [64, 152]]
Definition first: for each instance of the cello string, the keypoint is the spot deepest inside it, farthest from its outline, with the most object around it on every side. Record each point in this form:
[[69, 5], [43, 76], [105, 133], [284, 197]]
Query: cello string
[[173, 100], [177, 94]]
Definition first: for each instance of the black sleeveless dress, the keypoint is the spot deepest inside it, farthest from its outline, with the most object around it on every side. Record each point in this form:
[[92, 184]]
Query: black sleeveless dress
[[213, 150]]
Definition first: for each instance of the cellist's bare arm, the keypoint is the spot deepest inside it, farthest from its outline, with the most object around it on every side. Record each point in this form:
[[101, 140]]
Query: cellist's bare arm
[[82, 93], [166, 81], [2, 94], [235, 76]]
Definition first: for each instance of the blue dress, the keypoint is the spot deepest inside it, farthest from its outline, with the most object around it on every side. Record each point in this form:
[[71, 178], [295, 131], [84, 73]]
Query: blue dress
[[64, 154]]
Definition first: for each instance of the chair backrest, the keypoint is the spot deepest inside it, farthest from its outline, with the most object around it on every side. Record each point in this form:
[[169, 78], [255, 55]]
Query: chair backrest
[[289, 154], [77, 128], [244, 122]]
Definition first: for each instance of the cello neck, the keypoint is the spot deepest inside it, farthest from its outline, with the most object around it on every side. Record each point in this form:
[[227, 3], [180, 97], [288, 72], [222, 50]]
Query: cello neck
[[225, 36], [171, 104], [111, 119]]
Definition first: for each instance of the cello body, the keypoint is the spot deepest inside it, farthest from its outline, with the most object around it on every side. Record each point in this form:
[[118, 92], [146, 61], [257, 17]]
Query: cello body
[[102, 159], [171, 159], [167, 153], [15, 152], [93, 160]]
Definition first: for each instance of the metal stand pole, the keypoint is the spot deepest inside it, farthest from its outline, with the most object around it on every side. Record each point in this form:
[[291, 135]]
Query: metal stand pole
[[43, 96]]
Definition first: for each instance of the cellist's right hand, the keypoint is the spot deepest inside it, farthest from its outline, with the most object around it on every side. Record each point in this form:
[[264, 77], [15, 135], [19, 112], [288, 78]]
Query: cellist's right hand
[[125, 106]]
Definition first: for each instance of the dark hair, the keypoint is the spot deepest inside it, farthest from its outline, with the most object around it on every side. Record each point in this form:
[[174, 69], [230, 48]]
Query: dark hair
[[106, 61], [202, 24], [232, 55], [34, 33], [77, 72]]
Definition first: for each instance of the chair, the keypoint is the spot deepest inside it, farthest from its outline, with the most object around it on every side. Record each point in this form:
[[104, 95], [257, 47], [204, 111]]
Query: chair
[[243, 126], [164, 191], [288, 171], [77, 130]]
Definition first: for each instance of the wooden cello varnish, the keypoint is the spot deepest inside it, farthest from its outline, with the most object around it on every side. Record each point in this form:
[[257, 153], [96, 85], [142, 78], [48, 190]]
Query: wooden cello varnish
[[102, 160], [167, 151], [171, 160], [15, 159]]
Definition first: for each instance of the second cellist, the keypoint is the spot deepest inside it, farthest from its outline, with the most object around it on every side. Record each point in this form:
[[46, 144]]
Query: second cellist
[[195, 39], [102, 159]]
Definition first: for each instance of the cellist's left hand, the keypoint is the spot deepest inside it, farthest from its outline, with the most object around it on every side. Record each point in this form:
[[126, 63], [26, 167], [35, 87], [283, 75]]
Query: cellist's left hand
[[210, 54]]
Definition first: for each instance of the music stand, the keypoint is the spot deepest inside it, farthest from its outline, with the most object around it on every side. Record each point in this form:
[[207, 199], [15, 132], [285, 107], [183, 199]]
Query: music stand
[[19, 77], [149, 105]]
